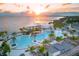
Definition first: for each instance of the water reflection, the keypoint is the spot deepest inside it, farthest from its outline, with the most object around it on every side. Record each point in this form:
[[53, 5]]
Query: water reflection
[[13, 23]]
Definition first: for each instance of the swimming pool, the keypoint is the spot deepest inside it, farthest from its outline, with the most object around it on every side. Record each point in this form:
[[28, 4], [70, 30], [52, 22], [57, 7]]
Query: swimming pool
[[25, 41]]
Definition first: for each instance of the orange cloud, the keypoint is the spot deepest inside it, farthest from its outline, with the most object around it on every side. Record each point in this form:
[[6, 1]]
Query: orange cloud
[[16, 8]]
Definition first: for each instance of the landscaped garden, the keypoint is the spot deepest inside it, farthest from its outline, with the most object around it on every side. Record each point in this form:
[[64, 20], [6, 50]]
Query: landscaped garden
[[34, 39]]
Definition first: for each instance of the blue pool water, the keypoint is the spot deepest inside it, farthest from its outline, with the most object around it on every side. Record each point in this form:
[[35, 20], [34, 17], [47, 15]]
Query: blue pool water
[[26, 41]]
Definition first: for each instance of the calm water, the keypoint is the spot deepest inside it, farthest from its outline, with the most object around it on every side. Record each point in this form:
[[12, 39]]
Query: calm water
[[13, 23]]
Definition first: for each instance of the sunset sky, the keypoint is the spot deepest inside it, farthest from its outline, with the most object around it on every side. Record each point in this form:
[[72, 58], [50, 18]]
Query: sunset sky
[[35, 7], [38, 1], [38, 8]]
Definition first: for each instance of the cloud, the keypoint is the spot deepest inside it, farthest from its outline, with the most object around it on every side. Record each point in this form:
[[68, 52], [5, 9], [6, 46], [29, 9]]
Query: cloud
[[17, 8], [38, 1], [12, 8]]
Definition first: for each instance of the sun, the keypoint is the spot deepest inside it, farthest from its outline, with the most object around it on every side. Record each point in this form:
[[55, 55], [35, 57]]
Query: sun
[[38, 9]]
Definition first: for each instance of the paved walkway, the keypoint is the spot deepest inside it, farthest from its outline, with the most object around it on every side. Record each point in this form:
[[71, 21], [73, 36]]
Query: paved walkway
[[71, 52]]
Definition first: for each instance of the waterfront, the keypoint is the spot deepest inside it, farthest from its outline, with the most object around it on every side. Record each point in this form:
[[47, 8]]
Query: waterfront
[[39, 30]]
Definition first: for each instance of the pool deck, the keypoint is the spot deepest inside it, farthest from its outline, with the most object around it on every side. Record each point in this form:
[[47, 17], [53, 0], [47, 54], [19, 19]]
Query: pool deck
[[72, 52], [58, 49]]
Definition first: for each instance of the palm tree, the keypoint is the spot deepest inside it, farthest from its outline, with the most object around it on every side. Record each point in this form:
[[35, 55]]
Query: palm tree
[[25, 31], [75, 38], [5, 48], [42, 51], [51, 27], [65, 35], [31, 50], [45, 42], [34, 32], [3, 34], [33, 35], [52, 36], [14, 35], [59, 39], [38, 50]]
